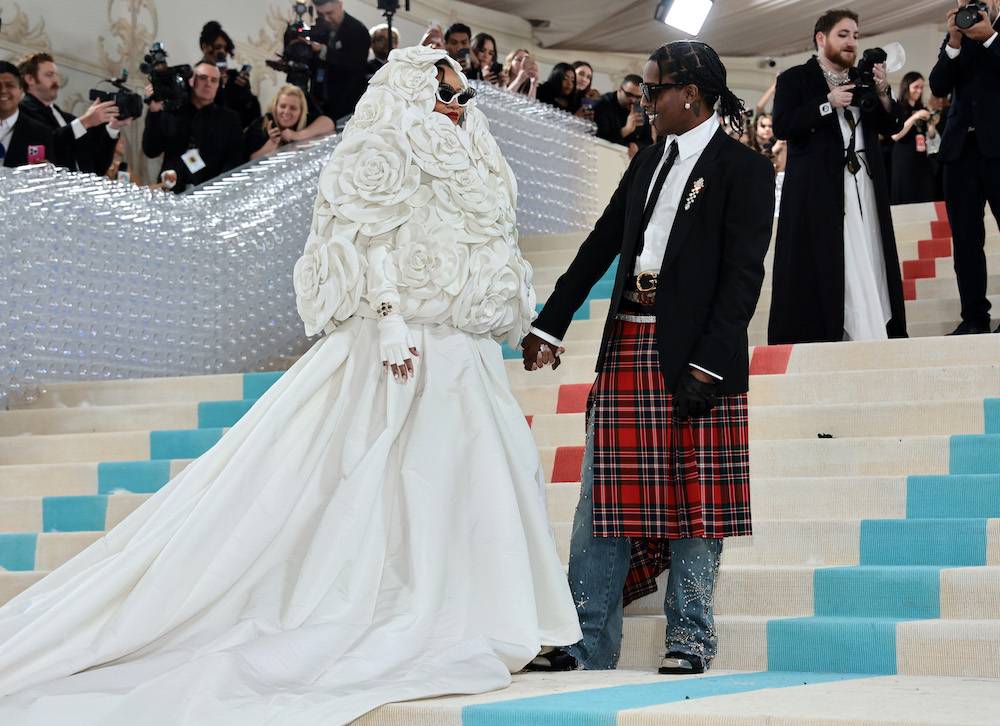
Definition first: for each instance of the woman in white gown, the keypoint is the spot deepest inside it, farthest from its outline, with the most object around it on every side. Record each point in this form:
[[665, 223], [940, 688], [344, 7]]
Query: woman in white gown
[[355, 539]]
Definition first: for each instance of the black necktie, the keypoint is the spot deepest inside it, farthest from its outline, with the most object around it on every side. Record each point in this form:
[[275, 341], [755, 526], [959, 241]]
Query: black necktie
[[647, 213], [851, 159]]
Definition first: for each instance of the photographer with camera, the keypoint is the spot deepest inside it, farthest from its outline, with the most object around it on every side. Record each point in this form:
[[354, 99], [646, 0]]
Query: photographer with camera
[[234, 89], [836, 271], [84, 144], [968, 68], [198, 138], [341, 46]]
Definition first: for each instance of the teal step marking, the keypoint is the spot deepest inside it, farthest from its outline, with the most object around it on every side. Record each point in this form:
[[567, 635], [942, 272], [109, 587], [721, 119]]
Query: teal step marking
[[601, 706], [137, 477], [17, 552], [222, 414], [991, 415], [255, 385], [878, 592], [957, 497], [509, 353], [937, 542], [971, 454], [74, 514], [183, 443], [832, 644]]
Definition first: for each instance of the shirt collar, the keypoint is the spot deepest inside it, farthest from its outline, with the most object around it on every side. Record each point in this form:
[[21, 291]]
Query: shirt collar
[[694, 141], [8, 123]]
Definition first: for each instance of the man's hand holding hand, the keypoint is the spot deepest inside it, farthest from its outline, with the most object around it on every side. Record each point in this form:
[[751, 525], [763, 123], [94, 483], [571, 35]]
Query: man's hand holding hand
[[538, 353]]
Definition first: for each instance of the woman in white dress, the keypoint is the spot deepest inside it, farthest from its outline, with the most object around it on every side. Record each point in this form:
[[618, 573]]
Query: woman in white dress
[[359, 537]]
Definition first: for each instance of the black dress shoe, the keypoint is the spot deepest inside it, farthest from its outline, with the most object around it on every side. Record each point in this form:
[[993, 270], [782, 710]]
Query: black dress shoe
[[553, 661], [965, 328], [676, 663]]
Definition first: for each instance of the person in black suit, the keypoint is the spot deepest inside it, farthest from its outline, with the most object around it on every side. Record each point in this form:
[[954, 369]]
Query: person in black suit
[[234, 87], [968, 67], [619, 121], [200, 140], [22, 140], [690, 222], [85, 144], [342, 71], [836, 272]]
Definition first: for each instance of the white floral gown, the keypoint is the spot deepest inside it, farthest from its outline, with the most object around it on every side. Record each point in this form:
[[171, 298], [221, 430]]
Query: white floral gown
[[352, 541]]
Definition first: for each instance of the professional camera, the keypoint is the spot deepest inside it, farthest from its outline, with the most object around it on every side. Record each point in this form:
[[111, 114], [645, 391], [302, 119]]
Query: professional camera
[[170, 83], [128, 102], [297, 55], [865, 94], [970, 14]]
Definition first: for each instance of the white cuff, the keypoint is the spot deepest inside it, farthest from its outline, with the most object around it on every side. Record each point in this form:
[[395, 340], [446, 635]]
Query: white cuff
[[952, 52], [988, 43], [545, 336], [78, 128], [113, 133], [705, 370]]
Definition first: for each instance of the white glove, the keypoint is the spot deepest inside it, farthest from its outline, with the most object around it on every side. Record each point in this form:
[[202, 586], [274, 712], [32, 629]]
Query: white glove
[[396, 346]]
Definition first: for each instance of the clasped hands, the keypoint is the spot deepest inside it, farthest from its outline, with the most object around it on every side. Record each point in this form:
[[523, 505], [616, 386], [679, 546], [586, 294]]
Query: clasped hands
[[538, 353]]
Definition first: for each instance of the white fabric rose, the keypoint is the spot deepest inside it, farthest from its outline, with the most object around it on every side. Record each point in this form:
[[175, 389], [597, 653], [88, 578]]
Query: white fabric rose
[[369, 180], [489, 303], [437, 147], [465, 198], [376, 109], [328, 281]]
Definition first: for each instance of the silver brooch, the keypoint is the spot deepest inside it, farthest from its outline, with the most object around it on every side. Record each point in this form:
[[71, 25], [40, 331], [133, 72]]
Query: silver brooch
[[696, 188]]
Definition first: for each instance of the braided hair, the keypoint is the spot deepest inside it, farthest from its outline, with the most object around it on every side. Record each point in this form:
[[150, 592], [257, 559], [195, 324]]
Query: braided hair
[[695, 63]]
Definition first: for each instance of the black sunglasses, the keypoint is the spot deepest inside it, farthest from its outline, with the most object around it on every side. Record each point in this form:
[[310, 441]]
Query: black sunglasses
[[446, 93], [649, 90]]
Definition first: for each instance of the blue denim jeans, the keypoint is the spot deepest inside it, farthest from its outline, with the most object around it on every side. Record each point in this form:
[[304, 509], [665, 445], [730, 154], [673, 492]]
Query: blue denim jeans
[[597, 570]]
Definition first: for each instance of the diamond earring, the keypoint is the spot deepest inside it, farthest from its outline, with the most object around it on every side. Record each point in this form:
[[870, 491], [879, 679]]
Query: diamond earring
[[687, 106]]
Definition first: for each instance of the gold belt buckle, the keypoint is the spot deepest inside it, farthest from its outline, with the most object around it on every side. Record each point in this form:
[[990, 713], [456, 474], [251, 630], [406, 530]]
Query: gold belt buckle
[[646, 281]]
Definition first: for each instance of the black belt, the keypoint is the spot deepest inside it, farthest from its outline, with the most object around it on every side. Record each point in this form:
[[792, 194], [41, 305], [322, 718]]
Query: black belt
[[639, 297]]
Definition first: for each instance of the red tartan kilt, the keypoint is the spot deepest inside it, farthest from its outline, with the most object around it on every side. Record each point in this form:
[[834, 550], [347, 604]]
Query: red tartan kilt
[[655, 477]]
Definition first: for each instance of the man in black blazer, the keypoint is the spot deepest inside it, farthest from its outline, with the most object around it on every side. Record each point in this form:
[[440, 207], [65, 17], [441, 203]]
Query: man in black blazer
[[343, 60], [690, 222], [968, 68], [84, 144], [22, 140]]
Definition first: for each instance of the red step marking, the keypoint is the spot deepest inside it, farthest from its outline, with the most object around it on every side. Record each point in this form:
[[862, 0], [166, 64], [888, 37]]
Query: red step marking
[[942, 211], [940, 229], [928, 249], [770, 360], [568, 464], [529, 419], [909, 289], [573, 398], [918, 269]]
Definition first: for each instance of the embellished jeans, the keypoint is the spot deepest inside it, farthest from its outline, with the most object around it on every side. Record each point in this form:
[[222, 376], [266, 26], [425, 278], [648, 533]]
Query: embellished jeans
[[597, 570]]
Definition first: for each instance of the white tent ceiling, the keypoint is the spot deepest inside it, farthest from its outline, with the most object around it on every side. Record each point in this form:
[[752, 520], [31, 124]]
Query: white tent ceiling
[[733, 28]]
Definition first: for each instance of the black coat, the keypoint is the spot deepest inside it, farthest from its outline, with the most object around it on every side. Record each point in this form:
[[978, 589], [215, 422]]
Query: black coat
[[27, 132], [807, 299], [92, 153], [346, 67], [213, 130], [974, 80], [712, 272]]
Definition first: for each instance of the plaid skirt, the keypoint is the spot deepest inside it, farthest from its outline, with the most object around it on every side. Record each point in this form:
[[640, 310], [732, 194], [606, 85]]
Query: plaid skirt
[[656, 478]]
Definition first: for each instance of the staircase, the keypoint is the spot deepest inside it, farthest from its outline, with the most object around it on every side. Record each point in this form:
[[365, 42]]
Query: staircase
[[869, 593]]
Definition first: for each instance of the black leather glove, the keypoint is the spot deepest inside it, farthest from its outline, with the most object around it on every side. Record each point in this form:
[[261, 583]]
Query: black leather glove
[[693, 398]]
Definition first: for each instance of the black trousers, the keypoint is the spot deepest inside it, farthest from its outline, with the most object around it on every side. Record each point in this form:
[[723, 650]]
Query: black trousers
[[969, 182]]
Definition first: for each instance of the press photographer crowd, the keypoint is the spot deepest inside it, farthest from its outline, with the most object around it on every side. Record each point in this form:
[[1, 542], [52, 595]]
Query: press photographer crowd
[[843, 142]]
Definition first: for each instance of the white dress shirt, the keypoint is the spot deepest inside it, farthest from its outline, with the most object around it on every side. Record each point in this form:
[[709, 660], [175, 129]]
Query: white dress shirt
[[7, 130], [690, 146], [79, 130]]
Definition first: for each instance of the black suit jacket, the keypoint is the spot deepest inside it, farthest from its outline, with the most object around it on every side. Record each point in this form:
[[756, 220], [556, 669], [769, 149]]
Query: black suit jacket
[[610, 118], [713, 269], [27, 132], [973, 79], [91, 153], [346, 67]]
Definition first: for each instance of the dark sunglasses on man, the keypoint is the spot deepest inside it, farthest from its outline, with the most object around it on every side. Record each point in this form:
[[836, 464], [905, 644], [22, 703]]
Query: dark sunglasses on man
[[649, 90], [446, 93]]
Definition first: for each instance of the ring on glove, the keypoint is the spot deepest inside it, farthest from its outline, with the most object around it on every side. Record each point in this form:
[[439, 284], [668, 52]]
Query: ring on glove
[[396, 346]]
